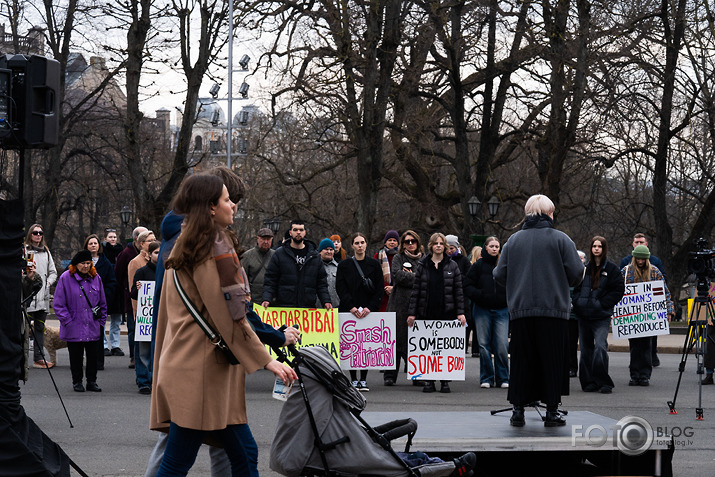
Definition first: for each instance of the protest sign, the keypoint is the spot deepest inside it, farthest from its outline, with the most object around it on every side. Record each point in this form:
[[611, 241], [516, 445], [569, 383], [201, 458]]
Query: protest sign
[[436, 350], [643, 311], [318, 326], [145, 311], [367, 343]]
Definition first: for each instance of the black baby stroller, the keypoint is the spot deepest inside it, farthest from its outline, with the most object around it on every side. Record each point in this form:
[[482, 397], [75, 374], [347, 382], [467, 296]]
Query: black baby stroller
[[321, 431]]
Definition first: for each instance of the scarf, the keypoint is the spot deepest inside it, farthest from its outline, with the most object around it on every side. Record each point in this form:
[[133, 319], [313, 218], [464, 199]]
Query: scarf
[[383, 257], [533, 221], [413, 256], [232, 277]]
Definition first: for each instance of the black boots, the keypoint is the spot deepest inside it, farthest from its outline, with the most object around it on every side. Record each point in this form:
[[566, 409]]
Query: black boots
[[517, 417], [554, 419]]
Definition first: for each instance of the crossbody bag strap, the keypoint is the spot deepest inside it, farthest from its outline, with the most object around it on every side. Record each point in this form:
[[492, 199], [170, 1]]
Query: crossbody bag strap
[[85, 295], [358, 268], [194, 312], [263, 264]]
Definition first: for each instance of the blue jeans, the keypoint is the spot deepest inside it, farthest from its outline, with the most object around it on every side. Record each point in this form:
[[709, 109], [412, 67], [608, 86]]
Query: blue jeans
[[115, 320], [493, 333], [142, 351], [220, 465], [183, 445]]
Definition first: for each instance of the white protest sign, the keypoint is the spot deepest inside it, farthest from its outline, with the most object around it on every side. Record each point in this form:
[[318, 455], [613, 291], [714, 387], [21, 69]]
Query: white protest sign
[[145, 310], [435, 350], [643, 311], [367, 343]]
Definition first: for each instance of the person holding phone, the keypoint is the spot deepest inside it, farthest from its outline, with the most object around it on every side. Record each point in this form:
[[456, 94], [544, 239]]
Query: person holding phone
[[36, 251]]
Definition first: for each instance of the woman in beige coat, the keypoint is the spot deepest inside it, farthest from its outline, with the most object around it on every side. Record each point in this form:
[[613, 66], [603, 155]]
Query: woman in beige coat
[[198, 396]]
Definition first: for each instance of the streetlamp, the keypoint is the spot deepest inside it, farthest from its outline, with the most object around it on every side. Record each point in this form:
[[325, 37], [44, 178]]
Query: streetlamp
[[273, 224], [125, 216], [493, 205], [473, 203]]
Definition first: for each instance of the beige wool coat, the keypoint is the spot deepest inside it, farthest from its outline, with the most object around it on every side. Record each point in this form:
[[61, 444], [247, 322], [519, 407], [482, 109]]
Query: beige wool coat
[[194, 386]]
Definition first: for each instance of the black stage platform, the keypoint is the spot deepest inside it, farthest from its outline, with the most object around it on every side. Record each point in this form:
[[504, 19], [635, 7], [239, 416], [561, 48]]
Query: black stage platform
[[579, 448]]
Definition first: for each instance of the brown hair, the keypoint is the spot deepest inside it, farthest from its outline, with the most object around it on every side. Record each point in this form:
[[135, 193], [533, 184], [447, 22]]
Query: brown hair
[[28, 239], [234, 184], [194, 199], [420, 247], [433, 239], [93, 236], [596, 271], [356, 235], [153, 246]]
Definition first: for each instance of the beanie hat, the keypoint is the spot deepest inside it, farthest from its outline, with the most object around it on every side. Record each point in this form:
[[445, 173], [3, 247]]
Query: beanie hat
[[641, 251], [335, 238], [81, 256], [391, 234], [452, 240], [325, 243]]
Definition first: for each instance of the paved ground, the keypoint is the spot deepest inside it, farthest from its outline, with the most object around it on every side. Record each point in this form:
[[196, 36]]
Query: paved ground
[[110, 435]]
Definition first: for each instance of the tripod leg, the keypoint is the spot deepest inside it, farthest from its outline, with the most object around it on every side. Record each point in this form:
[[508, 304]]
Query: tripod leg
[[681, 368]]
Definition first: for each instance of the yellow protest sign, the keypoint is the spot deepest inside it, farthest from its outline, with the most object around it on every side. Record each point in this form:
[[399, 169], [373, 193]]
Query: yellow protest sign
[[318, 326]]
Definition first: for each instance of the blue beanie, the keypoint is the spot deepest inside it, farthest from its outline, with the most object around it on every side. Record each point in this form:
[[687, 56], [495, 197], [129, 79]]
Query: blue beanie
[[325, 243]]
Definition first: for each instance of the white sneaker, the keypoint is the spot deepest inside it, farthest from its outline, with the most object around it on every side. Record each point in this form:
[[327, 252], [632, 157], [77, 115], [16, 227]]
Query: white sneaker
[[362, 386], [485, 385], [504, 385]]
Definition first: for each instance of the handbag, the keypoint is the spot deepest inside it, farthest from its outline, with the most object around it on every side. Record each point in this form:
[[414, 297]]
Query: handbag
[[96, 310], [366, 281], [214, 337]]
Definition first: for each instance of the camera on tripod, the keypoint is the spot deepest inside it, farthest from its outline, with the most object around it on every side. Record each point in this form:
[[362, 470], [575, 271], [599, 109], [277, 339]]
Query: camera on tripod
[[701, 264]]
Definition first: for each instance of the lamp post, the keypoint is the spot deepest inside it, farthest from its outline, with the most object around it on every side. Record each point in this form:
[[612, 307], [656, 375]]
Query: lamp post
[[473, 203], [243, 62], [273, 224], [125, 216], [493, 205]]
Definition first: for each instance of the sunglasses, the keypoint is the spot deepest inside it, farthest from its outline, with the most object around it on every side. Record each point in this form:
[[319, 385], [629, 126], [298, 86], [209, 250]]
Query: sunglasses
[[110, 230], [410, 241], [37, 232]]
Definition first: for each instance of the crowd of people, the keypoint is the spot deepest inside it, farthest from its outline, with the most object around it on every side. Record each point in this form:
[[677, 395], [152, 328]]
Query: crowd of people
[[524, 303]]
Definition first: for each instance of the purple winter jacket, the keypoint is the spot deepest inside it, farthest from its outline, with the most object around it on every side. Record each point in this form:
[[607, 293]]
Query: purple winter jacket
[[71, 308]]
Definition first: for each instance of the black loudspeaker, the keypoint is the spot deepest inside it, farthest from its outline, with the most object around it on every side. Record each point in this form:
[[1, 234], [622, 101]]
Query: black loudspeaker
[[34, 108]]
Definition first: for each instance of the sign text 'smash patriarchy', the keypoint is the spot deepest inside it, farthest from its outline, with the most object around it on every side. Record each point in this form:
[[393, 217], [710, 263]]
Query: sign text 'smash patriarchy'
[[643, 311], [367, 343], [435, 350]]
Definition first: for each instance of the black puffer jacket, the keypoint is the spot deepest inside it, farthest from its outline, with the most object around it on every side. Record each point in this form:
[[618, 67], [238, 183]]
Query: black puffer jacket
[[286, 284], [480, 286], [453, 291], [109, 282], [598, 304]]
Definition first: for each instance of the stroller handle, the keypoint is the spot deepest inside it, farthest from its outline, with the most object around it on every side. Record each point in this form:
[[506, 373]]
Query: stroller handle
[[398, 428], [281, 356]]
